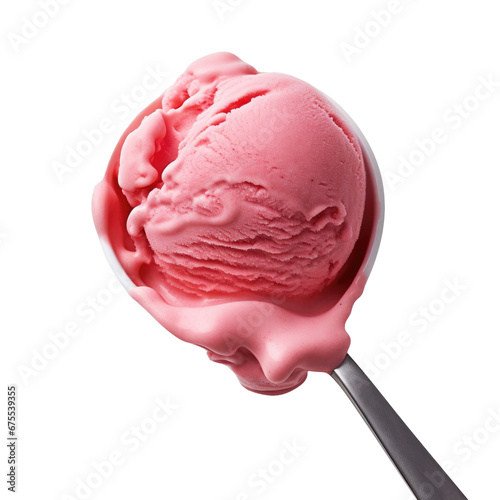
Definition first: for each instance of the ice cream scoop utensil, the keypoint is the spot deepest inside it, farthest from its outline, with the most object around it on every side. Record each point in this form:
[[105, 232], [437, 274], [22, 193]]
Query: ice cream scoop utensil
[[204, 219], [425, 477]]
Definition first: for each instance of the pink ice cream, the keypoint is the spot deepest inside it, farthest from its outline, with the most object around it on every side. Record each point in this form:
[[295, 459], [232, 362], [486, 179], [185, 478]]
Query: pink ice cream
[[232, 205]]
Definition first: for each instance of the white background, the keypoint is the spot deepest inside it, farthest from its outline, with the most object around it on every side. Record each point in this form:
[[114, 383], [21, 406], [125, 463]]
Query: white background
[[441, 224]]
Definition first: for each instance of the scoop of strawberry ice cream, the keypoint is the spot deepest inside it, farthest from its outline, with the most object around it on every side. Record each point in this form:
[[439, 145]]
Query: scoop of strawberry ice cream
[[243, 182], [230, 210]]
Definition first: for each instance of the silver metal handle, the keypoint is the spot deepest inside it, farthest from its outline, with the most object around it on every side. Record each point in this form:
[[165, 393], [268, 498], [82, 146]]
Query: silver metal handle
[[426, 479]]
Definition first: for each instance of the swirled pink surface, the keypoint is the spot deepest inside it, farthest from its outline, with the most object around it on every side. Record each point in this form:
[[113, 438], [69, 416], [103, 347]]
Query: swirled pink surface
[[233, 203]]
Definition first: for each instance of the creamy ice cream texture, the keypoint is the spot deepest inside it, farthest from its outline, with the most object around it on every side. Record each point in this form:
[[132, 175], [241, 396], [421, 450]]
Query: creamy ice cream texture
[[234, 205]]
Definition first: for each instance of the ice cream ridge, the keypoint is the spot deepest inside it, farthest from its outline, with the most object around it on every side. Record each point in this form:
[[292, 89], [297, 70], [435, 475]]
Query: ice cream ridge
[[236, 210]]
